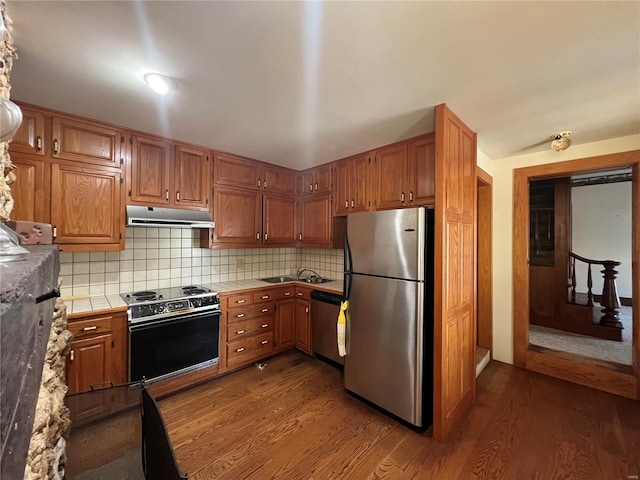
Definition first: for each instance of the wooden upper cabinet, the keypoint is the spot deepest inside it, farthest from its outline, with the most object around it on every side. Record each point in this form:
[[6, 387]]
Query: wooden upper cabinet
[[317, 180], [30, 136], [31, 188], [391, 169], [279, 180], [86, 206], [191, 177], [237, 213], [236, 171], [351, 181], [150, 171], [316, 220], [342, 187], [279, 219], [86, 141], [422, 171]]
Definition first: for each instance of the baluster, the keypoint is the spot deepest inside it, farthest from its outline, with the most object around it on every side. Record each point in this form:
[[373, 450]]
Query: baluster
[[589, 285], [610, 300], [573, 280]]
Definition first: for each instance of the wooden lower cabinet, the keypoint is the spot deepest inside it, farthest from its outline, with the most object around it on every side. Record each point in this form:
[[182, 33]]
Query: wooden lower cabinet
[[303, 326], [285, 324], [98, 355], [249, 349]]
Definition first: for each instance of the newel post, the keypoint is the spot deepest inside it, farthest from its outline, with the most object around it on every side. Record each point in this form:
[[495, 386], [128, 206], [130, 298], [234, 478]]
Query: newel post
[[610, 300]]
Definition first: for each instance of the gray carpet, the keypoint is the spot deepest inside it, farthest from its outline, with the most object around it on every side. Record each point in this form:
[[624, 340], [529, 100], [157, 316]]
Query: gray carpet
[[609, 350], [126, 467]]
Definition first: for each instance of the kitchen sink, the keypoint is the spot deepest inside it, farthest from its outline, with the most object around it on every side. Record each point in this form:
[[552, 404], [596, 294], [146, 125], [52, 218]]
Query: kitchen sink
[[315, 280], [280, 279]]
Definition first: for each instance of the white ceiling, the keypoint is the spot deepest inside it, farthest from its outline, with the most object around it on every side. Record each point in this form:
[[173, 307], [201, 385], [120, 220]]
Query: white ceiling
[[299, 84]]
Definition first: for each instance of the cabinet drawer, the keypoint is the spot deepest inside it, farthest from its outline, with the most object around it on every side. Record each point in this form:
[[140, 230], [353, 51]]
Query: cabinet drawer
[[246, 350], [263, 296], [92, 326], [240, 299], [303, 293], [285, 292], [246, 328], [250, 311]]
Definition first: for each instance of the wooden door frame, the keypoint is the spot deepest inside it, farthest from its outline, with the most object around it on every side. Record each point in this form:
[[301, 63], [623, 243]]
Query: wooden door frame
[[484, 277], [602, 375]]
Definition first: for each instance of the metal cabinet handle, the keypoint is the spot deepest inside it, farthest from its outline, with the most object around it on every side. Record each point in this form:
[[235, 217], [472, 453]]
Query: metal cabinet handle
[[300, 237], [410, 196], [306, 310], [55, 232], [264, 310], [265, 183], [166, 194], [311, 187], [346, 204], [286, 294], [264, 325], [88, 329], [55, 146], [264, 342], [71, 355], [178, 196], [316, 187], [402, 197], [240, 301], [240, 315], [264, 297], [300, 294], [240, 332], [38, 143], [266, 237], [257, 235], [259, 183], [241, 349], [352, 203]]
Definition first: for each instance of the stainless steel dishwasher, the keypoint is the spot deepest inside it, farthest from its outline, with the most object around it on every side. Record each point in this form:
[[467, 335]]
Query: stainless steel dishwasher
[[325, 308]]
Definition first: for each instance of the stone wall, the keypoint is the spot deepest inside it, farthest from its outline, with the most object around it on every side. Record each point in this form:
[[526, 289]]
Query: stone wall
[[7, 55]]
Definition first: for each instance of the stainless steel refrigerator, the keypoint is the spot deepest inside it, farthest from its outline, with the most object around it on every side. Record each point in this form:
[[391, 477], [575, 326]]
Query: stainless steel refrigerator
[[389, 285]]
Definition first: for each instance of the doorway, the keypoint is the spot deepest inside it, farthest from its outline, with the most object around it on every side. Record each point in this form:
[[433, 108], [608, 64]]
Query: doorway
[[604, 375], [484, 325]]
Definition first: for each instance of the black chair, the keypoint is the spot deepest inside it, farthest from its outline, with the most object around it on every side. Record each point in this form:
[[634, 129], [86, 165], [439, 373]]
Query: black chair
[[158, 460]]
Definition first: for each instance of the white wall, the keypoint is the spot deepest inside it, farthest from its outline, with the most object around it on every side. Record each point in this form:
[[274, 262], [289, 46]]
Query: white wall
[[502, 172], [483, 161], [601, 230]]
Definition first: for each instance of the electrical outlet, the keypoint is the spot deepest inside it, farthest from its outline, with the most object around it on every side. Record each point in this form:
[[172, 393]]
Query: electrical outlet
[[240, 263]]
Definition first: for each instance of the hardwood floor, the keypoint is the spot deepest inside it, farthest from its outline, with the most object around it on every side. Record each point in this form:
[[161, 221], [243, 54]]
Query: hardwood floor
[[294, 420]]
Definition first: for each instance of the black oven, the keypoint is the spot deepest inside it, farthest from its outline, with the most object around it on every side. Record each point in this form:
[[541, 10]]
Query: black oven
[[164, 347]]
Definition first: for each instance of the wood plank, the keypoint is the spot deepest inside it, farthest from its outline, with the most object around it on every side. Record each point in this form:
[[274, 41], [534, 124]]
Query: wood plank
[[484, 260]]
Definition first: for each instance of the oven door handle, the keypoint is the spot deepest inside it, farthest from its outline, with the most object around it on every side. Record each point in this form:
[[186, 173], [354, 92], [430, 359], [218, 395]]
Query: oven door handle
[[140, 326]]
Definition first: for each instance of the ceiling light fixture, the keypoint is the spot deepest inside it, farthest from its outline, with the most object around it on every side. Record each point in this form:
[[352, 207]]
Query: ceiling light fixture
[[561, 141], [160, 84]]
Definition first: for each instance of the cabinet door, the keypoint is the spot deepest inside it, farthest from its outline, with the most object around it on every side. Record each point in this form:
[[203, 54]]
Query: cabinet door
[[31, 188], [308, 179], [86, 204], [341, 187], [359, 183], [84, 141], [191, 177], [285, 323], [236, 172], [30, 136], [89, 363], [316, 220], [150, 171], [303, 326], [237, 215], [279, 219], [279, 180], [322, 181], [391, 177], [422, 172]]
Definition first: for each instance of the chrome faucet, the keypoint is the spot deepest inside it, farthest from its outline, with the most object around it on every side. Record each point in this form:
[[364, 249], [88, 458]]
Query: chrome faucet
[[302, 270]]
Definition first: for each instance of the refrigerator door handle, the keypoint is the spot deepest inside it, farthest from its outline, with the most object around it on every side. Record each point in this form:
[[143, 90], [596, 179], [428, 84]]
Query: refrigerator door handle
[[347, 266]]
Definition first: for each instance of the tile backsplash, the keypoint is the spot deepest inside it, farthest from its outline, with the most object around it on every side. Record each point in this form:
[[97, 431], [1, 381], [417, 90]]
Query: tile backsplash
[[165, 257]]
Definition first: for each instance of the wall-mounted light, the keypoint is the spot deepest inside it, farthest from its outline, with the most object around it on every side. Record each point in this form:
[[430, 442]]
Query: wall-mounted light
[[10, 119], [160, 84]]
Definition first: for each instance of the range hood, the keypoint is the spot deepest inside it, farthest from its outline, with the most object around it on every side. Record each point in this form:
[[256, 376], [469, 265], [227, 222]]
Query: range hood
[[167, 217]]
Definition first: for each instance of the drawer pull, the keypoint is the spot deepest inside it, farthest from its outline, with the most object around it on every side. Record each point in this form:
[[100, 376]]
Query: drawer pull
[[240, 332], [240, 301], [87, 329], [286, 294], [71, 356], [240, 315], [241, 349], [55, 147], [264, 297], [264, 325], [264, 310], [300, 294], [264, 342], [38, 143]]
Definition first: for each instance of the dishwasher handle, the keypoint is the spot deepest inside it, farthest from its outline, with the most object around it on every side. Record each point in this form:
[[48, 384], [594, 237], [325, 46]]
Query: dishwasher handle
[[326, 297]]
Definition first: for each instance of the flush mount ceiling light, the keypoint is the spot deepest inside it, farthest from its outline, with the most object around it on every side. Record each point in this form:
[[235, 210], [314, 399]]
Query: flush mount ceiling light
[[561, 141], [160, 83]]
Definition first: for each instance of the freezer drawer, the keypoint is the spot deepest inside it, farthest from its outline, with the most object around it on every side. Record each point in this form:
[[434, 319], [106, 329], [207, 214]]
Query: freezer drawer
[[324, 316]]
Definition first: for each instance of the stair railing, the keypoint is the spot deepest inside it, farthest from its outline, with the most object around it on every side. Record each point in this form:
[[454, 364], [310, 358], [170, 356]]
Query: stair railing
[[609, 300]]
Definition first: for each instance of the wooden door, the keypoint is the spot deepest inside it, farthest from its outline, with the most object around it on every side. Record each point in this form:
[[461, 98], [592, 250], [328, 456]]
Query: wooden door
[[341, 191], [303, 326], [359, 183], [31, 188], [238, 216], [279, 180], [322, 179], [422, 171], [86, 141], [391, 177], [285, 323], [279, 219], [86, 206], [454, 262], [30, 136], [308, 179], [89, 363], [316, 220], [191, 177], [236, 171], [150, 171]]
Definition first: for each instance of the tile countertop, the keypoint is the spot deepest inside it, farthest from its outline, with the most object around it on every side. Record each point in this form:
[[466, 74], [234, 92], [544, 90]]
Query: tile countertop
[[77, 306]]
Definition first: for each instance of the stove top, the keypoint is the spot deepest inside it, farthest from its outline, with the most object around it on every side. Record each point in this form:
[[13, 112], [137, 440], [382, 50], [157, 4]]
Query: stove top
[[174, 293]]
